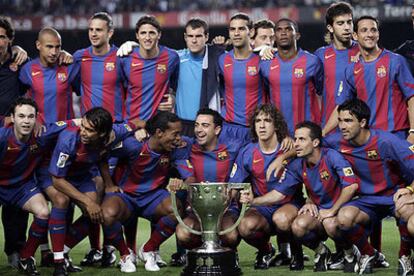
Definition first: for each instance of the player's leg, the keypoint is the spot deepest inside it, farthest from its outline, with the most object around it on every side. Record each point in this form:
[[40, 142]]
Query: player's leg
[[184, 237], [255, 229], [332, 229], [309, 231], [405, 220]]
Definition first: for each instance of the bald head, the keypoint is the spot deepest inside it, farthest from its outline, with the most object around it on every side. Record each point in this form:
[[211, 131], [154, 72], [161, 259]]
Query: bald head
[[48, 43]]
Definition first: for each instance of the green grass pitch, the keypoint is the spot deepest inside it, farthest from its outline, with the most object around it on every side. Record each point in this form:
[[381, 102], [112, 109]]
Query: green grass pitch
[[390, 245]]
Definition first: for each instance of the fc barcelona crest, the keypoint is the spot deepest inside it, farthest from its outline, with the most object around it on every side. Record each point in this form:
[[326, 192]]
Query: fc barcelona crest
[[164, 161], [109, 66], [161, 68], [34, 148], [324, 175], [372, 154], [222, 155], [62, 77], [298, 72], [251, 70], [381, 71]]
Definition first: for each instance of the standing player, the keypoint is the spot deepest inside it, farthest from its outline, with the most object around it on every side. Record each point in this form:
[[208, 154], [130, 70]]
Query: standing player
[[407, 48], [329, 182], [151, 71], [380, 160], [49, 83], [383, 80], [294, 77], [242, 85], [212, 156], [273, 207], [144, 192], [263, 34], [341, 51], [21, 152]]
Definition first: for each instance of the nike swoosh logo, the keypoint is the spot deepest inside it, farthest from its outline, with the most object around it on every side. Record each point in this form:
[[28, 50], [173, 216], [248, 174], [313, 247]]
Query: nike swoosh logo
[[346, 150], [184, 60], [86, 59], [13, 148], [274, 67], [256, 161], [329, 56], [81, 154], [135, 64], [58, 228], [357, 71], [144, 154], [24, 266], [35, 73], [227, 65], [32, 189]]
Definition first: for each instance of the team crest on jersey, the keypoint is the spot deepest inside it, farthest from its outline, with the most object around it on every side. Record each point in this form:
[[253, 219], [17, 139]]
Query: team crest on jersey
[[372, 154], [62, 77], [298, 72], [63, 157], [161, 68], [164, 161], [109, 66], [411, 148], [381, 71], [233, 170], [222, 155], [60, 123], [34, 148], [354, 59], [348, 171], [252, 70], [324, 175]]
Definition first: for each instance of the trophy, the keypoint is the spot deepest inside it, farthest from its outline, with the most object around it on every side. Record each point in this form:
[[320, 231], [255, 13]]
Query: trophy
[[209, 201]]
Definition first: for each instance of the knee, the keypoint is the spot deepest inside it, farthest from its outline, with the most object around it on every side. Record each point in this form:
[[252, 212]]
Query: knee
[[331, 228], [109, 214], [410, 225], [346, 218], [246, 227], [299, 227], [282, 221], [182, 234], [42, 211], [60, 201]]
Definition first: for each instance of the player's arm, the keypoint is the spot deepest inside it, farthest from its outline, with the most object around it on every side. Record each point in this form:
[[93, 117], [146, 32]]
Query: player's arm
[[109, 185], [268, 199], [346, 195], [279, 163], [19, 55], [410, 104], [331, 123]]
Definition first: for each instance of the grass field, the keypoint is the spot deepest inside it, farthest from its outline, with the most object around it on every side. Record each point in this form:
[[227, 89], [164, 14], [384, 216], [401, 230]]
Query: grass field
[[390, 245]]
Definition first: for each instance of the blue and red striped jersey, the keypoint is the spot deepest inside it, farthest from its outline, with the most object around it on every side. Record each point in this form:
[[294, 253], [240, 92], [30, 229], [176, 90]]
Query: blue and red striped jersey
[[147, 170], [294, 86], [101, 81], [385, 84], [325, 180], [380, 163], [242, 87], [334, 64], [215, 165], [18, 160], [71, 158], [148, 81], [51, 88]]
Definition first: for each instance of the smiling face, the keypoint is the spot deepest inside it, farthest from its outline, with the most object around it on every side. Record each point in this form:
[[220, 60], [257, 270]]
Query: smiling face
[[88, 134], [367, 34], [4, 41], [24, 120], [206, 132], [148, 37], [349, 125], [99, 33], [171, 137]]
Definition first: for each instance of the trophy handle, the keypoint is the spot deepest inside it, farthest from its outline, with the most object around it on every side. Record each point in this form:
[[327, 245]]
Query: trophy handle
[[177, 215], [231, 228]]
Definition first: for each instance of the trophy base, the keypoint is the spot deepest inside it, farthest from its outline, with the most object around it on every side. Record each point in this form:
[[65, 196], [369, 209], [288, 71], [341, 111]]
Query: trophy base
[[212, 264]]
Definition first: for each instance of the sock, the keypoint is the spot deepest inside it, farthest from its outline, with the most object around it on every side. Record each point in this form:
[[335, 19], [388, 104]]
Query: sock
[[358, 235], [113, 236], [77, 231], [37, 232], [260, 240], [405, 239], [130, 233], [376, 236], [164, 229], [94, 236], [57, 230]]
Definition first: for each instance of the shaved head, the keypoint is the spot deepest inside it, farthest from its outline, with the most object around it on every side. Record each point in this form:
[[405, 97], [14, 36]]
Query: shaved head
[[49, 31]]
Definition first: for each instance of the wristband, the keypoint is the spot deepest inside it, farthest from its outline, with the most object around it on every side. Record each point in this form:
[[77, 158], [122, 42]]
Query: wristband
[[411, 131]]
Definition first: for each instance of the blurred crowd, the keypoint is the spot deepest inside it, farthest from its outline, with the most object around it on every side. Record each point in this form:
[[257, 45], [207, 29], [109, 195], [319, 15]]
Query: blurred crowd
[[81, 7]]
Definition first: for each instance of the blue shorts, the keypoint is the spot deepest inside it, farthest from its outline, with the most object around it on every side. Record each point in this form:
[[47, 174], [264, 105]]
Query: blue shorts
[[84, 185], [43, 177], [236, 132], [143, 205], [403, 134], [376, 207], [18, 195]]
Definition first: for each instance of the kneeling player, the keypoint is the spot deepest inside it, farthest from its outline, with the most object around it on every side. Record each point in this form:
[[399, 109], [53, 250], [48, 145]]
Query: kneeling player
[[274, 208]]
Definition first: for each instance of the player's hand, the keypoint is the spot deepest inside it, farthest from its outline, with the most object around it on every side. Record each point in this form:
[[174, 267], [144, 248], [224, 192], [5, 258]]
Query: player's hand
[[19, 55], [94, 212], [221, 41], [356, 58], [126, 48], [404, 200], [174, 184], [309, 208], [39, 129], [141, 134], [265, 52], [246, 196], [275, 167], [326, 213], [287, 144], [410, 138], [401, 192], [65, 58], [167, 104], [77, 121]]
